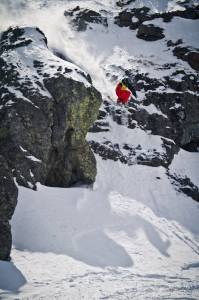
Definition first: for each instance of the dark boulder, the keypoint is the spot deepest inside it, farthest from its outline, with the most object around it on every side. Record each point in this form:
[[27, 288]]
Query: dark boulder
[[150, 32], [124, 19]]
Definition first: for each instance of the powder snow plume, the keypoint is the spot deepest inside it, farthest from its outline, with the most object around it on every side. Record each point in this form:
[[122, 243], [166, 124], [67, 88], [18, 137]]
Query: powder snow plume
[[49, 17]]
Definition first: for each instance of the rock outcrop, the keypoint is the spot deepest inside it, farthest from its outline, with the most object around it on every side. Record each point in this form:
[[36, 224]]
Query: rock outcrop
[[46, 108]]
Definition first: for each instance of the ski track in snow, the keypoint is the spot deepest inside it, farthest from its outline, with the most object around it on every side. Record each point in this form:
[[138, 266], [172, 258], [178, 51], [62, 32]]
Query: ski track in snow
[[132, 236]]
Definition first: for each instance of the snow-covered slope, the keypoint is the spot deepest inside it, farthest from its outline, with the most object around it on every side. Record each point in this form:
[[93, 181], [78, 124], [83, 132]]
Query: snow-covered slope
[[134, 234], [125, 239]]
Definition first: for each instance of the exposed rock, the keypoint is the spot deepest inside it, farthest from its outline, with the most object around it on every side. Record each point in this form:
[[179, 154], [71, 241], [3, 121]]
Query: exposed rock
[[124, 19], [181, 52], [188, 54], [8, 201], [135, 154], [129, 154], [182, 111], [5, 240], [192, 146], [44, 118], [171, 115], [170, 43], [193, 59], [80, 18], [133, 18], [180, 81], [107, 150], [188, 13], [144, 82], [150, 32], [185, 185], [122, 3]]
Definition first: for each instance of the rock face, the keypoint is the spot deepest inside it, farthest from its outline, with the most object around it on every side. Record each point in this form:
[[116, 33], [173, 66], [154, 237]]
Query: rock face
[[46, 108]]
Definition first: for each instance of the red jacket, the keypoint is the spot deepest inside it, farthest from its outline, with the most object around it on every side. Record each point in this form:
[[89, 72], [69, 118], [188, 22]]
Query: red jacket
[[123, 93]]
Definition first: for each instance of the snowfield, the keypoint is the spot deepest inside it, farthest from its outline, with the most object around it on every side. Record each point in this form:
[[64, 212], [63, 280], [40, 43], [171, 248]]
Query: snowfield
[[132, 235], [126, 238]]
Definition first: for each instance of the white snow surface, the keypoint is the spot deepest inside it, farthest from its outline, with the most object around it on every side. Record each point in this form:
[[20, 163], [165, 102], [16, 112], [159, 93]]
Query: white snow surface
[[124, 239], [132, 235]]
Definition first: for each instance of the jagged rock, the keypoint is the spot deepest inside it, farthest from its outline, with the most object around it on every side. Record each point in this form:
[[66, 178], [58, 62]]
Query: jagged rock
[[46, 108], [150, 32], [80, 18]]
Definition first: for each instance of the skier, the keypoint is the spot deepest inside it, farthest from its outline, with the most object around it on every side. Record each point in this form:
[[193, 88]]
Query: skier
[[125, 90]]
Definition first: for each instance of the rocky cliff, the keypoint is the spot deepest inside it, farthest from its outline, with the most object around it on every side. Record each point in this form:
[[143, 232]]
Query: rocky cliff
[[46, 108]]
